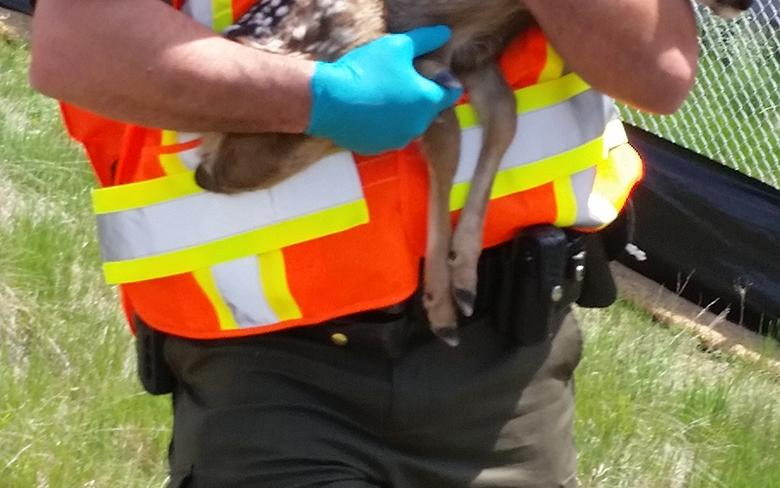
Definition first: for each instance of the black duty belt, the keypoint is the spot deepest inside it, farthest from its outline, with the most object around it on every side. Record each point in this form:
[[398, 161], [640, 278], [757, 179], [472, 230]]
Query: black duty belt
[[523, 287]]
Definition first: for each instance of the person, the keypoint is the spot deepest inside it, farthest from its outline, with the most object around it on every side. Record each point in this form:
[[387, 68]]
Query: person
[[287, 322]]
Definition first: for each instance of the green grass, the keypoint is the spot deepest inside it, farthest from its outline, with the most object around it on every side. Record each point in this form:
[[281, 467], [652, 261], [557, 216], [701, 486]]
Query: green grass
[[71, 411], [653, 411]]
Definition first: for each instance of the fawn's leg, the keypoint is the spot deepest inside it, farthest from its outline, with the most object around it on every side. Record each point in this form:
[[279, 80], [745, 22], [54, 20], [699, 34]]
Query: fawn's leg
[[495, 104], [441, 145]]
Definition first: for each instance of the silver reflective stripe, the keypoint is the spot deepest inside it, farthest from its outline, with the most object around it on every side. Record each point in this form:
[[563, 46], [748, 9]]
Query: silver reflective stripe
[[582, 183], [190, 158], [199, 10], [241, 289], [206, 217], [594, 210], [542, 133]]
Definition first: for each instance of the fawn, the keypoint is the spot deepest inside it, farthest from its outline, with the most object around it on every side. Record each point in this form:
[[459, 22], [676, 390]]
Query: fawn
[[325, 30]]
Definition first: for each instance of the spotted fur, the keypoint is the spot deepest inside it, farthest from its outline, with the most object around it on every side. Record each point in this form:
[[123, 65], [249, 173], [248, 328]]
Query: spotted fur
[[325, 30], [315, 29]]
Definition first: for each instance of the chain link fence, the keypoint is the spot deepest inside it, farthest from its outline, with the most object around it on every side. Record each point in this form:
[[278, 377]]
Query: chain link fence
[[733, 114]]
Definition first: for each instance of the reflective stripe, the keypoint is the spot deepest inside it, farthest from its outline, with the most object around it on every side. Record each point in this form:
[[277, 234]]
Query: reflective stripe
[[207, 283], [273, 276], [200, 11], [541, 133], [258, 241], [164, 226], [206, 228], [241, 289], [215, 14], [578, 203], [582, 183], [206, 217], [565, 202], [615, 134], [527, 176], [553, 66], [144, 193], [222, 14], [615, 178], [569, 90], [532, 98], [550, 144], [179, 161], [250, 291]]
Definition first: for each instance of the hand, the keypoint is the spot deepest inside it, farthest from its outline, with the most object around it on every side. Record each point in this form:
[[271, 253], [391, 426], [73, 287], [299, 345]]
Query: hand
[[372, 99]]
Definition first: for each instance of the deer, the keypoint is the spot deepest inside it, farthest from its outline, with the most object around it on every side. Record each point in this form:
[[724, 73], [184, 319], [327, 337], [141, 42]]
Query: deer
[[324, 30]]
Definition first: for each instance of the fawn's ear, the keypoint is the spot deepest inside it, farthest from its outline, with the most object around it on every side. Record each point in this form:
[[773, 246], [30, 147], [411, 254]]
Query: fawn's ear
[[233, 163]]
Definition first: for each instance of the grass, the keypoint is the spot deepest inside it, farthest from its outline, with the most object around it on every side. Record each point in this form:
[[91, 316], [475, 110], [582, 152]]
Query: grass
[[71, 412], [653, 410]]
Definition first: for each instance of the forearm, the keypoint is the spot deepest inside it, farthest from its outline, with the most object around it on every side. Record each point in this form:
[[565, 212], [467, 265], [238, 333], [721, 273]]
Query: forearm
[[642, 52], [141, 61]]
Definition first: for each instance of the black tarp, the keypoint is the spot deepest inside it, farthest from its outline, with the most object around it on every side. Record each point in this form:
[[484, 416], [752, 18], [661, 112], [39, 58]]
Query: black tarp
[[709, 232], [19, 5]]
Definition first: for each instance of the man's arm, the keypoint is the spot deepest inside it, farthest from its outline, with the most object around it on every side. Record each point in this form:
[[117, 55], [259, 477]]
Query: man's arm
[[141, 61], [642, 52]]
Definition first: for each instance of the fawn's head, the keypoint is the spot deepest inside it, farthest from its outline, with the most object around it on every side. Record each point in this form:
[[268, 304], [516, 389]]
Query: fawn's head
[[233, 163]]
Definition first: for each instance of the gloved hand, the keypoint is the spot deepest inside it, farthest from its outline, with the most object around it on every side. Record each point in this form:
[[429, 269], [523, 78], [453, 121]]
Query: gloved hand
[[372, 99]]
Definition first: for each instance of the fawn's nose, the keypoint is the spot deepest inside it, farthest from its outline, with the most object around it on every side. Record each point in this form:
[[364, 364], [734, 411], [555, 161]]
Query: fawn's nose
[[205, 179]]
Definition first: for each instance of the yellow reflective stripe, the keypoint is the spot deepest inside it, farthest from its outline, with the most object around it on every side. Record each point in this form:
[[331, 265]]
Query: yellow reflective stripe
[[553, 66], [531, 175], [617, 174], [532, 98], [614, 135], [144, 193], [171, 163], [565, 202], [222, 14], [549, 93], [177, 185], [273, 276], [205, 280], [258, 241]]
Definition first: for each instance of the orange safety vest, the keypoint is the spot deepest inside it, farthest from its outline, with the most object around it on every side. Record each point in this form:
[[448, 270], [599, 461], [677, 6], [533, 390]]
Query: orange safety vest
[[346, 235]]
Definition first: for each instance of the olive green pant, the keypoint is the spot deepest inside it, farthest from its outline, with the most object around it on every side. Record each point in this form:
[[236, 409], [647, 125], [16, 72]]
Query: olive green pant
[[281, 411]]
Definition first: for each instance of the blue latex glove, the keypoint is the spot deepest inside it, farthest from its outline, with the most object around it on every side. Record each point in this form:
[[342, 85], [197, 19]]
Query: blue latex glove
[[372, 99]]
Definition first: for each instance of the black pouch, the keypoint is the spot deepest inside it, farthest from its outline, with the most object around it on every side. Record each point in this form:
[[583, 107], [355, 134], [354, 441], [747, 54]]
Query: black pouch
[[153, 371], [598, 287], [543, 271]]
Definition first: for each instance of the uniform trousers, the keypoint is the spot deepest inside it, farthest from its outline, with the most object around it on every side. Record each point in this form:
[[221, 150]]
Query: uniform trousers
[[288, 410]]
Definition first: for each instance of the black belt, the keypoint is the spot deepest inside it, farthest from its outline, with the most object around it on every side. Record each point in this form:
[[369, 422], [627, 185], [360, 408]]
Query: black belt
[[522, 287]]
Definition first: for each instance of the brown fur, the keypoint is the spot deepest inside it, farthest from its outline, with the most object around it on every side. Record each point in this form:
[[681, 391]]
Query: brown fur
[[326, 29]]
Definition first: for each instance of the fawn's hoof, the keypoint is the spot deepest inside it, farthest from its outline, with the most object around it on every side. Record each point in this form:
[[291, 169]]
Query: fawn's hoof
[[449, 335], [465, 300], [447, 79]]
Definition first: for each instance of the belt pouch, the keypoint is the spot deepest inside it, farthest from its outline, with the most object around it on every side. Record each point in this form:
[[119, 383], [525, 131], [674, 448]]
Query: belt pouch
[[598, 289], [534, 284], [153, 371]]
